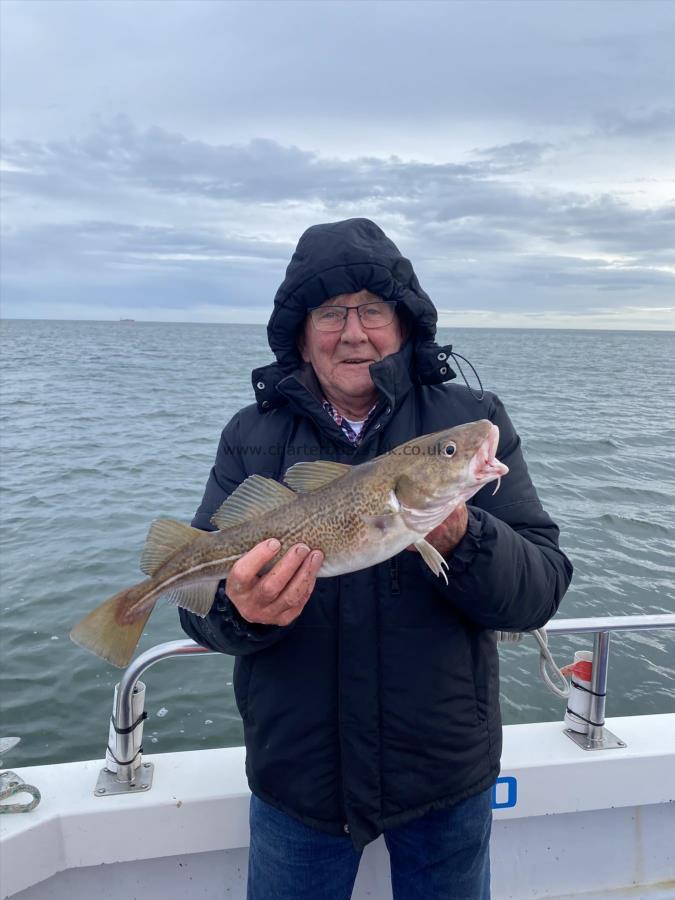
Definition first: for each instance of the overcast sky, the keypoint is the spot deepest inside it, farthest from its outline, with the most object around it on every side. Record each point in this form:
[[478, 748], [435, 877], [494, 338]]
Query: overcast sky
[[161, 159]]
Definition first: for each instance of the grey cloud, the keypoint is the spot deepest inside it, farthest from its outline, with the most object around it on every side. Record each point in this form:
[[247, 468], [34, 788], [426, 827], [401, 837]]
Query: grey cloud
[[261, 170], [120, 157], [573, 272], [244, 122], [96, 246], [99, 266], [605, 223], [198, 66], [615, 226], [543, 284], [173, 206], [650, 123], [515, 157]]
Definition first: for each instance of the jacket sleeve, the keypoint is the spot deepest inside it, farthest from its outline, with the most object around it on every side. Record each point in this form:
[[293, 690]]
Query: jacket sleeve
[[223, 628], [508, 571]]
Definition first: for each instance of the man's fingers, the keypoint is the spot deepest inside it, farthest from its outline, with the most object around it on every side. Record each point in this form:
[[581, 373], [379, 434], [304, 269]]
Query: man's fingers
[[276, 598], [245, 571], [276, 580], [292, 599]]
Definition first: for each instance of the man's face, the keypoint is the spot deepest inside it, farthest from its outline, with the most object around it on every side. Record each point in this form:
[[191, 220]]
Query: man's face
[[341, 358]]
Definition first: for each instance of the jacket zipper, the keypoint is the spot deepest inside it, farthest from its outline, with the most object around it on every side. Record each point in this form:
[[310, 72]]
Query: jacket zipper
[[393, 576]]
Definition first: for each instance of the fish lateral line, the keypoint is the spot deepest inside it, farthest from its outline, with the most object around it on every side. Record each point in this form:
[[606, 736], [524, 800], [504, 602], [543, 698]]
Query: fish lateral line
[[155, 593]]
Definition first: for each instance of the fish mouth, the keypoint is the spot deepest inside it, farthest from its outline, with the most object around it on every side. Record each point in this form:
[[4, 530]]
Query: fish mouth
[[484, 466]]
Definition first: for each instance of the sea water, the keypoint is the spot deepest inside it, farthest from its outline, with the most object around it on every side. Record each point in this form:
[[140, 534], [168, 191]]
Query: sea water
[[108, 425]]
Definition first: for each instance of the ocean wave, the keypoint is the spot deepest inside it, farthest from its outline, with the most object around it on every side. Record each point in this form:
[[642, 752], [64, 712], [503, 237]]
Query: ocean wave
[[633, 526], [93, 453]]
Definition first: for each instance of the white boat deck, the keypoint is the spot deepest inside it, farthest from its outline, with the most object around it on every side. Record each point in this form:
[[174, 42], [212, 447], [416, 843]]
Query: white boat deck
[[568, 823]]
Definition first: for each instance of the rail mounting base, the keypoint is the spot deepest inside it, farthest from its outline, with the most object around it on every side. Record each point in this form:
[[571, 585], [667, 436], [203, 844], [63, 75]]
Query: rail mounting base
[[609, 741], [107, 784]]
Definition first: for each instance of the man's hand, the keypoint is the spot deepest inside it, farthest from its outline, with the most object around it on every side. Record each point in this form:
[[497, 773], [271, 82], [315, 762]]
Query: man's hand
[[279, 596], [450, 532]]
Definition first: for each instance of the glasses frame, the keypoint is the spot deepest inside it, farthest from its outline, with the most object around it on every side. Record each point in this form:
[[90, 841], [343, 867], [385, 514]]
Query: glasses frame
[[391, 304]]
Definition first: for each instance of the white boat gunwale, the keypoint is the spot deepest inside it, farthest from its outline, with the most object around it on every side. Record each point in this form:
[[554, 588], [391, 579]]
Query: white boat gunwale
[[551, 800]]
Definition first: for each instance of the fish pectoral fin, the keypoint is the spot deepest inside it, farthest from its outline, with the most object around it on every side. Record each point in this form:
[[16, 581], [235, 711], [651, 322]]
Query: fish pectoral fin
[[198, 597], [309, 476], [432, 558], [164, 538], [254, 497]]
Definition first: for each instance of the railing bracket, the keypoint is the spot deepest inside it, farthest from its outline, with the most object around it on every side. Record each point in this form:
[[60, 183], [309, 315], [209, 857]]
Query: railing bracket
[[608, 741], [107, 783]]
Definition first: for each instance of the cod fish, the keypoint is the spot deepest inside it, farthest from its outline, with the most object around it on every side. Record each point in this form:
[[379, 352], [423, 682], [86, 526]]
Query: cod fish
[[357, 515]]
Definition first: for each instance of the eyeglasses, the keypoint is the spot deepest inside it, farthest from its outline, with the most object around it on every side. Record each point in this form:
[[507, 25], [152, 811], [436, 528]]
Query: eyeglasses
[[375, 314]]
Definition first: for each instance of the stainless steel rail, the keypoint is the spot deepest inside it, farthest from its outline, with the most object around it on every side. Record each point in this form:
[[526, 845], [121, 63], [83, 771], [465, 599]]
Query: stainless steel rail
[[610, 623], [124, 720], [129, 773], [598, 738]]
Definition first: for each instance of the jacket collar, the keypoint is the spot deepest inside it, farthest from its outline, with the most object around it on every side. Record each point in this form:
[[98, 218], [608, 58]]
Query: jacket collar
[[393, 377]]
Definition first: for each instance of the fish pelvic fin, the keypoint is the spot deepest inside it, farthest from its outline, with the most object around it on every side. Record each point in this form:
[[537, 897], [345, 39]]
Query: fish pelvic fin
[[109, 631], [432, 558], [164, 538]]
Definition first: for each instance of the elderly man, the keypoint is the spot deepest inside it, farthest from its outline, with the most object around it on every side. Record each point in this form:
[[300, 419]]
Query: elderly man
[[370, 701]]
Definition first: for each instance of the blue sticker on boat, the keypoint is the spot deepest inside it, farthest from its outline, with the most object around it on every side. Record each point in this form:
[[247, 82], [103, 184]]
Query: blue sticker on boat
[[505, 792]]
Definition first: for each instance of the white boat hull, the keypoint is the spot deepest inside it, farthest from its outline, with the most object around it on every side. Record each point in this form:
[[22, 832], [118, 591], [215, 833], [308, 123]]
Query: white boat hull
[[567, 823]]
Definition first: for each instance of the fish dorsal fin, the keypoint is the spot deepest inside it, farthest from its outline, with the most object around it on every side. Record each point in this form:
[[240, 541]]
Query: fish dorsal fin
[[164, 538], [254, 497], [309, 476]]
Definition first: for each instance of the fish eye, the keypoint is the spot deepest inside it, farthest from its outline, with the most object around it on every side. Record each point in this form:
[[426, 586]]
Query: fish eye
[[450, 449]]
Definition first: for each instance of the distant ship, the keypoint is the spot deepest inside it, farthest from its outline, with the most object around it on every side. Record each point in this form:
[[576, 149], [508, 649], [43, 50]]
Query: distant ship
[[127, 320]]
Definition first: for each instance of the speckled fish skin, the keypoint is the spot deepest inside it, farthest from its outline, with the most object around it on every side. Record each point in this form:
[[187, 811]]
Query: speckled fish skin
[[358, 519]]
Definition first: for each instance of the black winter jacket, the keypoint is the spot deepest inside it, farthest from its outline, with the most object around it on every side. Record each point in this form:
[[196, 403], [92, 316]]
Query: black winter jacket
[[381, 701]]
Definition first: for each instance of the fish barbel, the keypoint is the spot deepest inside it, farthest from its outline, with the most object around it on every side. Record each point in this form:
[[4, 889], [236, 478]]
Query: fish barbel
[[357, 515]]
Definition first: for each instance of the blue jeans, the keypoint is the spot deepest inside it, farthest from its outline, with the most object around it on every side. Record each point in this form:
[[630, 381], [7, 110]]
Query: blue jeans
[[443, 855]]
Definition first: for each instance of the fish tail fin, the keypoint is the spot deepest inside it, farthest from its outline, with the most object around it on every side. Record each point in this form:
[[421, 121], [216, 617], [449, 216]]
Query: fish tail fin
[[110, 631]]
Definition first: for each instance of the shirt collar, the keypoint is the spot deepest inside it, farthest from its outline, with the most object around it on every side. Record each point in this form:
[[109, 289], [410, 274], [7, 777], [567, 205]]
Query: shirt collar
[[344, 425]]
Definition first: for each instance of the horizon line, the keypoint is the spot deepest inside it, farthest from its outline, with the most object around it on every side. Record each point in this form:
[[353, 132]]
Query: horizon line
[[132, 321]]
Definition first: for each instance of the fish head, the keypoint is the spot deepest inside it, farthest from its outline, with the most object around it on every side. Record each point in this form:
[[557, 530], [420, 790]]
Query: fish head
[[437, 472]]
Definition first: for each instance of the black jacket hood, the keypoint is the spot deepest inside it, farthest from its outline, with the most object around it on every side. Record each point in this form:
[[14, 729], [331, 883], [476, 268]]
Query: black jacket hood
[[342, 258]]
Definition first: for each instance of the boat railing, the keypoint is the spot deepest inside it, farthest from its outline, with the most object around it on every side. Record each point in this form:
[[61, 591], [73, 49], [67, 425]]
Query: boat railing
[[126, 772]]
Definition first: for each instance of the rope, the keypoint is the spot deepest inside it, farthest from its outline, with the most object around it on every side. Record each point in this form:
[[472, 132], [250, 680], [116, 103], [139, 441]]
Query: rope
[[547, 665], [11, 784], [547, 662]]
